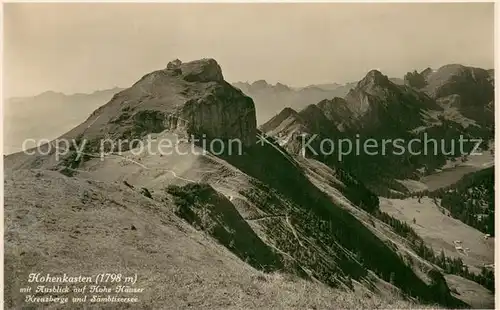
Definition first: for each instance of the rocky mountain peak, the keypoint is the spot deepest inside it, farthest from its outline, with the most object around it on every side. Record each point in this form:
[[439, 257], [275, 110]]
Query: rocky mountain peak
[[374, 78], [373, 85], [426, 72], [288, 111], [285, 114], [188, 98], [469, 89], [174, 64], [203, 70]]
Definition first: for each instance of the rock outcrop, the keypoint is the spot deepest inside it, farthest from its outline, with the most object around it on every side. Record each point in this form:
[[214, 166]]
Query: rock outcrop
[[287, 114], [205, 70], [469, 89], [374, 78], [377, 104], [415, 79], [189, 98], [473, 83]]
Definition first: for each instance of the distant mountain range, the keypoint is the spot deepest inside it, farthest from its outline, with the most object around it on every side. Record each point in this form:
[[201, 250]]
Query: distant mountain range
[[47, 115]]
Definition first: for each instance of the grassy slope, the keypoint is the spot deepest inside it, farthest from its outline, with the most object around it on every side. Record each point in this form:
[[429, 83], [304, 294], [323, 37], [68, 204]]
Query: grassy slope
[[436, 229], [334, 245], [58, 224]]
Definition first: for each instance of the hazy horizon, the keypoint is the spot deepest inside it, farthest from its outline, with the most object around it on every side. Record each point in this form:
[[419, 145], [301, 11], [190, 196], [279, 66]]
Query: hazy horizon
[[81, 48]]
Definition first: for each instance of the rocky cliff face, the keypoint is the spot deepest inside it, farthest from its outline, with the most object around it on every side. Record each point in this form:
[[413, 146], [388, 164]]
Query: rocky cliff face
[[377, 104], [287, 115], [468, 89], [188, 98]]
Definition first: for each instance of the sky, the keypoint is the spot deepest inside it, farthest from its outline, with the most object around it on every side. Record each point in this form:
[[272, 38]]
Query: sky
[[75, 47]]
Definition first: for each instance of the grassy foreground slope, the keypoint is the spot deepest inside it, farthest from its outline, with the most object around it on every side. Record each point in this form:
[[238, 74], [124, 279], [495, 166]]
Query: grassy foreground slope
[[58, 224]]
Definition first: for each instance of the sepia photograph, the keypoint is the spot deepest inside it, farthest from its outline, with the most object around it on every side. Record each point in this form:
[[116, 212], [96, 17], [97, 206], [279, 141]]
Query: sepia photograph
[[248, 155]]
